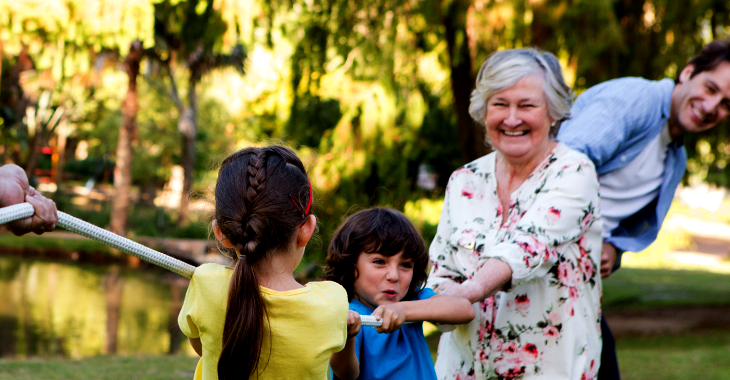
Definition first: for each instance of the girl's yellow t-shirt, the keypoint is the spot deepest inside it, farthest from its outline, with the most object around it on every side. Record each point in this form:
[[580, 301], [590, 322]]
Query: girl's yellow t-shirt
[[307, 325]]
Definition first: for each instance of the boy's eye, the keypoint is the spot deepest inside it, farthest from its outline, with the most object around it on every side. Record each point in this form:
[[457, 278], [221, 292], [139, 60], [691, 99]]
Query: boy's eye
[[378, 261], [407, 265]]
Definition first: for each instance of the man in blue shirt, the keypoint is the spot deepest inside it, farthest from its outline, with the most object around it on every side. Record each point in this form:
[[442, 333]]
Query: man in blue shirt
[[632, 129]]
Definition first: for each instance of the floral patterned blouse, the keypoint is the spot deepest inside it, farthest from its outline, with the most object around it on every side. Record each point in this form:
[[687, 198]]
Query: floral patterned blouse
[[545, 323]]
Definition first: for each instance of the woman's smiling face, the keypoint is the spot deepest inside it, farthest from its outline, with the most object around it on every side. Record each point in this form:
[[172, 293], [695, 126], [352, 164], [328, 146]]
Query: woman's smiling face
[[382, 279], [518, 121]]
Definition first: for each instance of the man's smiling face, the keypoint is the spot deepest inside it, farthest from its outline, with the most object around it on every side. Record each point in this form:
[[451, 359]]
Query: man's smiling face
[[701, 102]]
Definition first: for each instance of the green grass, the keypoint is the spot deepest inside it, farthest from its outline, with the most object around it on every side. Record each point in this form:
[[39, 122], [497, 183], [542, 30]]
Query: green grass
[[101, 368], [670, 357], [632, 289], [699, 356]]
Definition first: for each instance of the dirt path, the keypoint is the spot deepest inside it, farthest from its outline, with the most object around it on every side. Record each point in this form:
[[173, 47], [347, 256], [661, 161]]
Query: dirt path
[[670, 320]]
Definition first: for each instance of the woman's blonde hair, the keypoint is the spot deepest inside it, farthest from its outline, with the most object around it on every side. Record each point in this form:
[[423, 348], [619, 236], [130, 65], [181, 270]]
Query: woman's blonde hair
[[503, 69]]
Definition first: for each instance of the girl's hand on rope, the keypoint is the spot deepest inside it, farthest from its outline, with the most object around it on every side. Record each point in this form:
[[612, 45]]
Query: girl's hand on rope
[[353, 324], [14, 189], [393, 316]]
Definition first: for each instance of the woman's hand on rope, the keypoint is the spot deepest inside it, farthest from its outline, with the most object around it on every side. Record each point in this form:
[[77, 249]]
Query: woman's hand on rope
[[14, 189], [443, 285], [393, 316]]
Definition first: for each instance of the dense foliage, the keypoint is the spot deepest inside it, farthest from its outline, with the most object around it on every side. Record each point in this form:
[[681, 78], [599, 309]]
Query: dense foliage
[[369, 92]]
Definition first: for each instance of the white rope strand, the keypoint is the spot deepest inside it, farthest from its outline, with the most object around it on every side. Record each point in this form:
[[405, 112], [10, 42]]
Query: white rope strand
[[123, 244], [15, 212], [369, 320], [76, 225]]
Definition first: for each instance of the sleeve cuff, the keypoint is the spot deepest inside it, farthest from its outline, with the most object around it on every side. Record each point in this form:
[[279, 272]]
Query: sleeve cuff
[[523, 265]]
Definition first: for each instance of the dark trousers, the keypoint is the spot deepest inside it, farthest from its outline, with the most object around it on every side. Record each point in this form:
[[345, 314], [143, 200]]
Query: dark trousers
[[609, 361]]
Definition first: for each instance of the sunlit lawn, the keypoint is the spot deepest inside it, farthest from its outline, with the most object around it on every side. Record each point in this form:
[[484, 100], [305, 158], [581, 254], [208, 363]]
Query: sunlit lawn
[[101, 368], [698, 356], [678, 357], [633, 289]]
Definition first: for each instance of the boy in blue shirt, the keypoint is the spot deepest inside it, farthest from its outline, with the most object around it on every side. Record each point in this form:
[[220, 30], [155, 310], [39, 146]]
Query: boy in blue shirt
[[380, 259]]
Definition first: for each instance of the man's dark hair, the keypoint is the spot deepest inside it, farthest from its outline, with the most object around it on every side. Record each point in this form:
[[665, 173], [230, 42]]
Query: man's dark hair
[[711, 56], [376, 230]]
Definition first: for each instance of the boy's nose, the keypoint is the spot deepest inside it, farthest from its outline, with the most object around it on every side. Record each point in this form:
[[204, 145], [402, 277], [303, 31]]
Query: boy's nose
[[392, 274]]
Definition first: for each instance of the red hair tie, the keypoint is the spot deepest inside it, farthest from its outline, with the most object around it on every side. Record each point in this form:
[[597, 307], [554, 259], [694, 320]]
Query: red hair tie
[[309, 205], [298, 204]]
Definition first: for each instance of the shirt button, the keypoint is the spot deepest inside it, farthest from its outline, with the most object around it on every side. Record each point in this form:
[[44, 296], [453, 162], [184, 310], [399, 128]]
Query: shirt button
[[623, 158]]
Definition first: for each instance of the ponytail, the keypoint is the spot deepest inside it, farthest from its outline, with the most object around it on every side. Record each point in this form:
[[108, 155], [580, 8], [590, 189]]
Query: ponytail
[[244, 325], [254, 210]]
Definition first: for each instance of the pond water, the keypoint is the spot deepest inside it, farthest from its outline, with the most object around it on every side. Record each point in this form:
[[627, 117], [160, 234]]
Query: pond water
[[76, 310]]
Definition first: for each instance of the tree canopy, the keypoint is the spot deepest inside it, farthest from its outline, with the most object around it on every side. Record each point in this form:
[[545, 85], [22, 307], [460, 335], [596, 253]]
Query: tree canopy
[[372, 94]]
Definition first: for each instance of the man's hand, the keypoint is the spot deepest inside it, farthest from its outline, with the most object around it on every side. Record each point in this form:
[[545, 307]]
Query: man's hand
[[393, 316], [608, 259], [14, 189]]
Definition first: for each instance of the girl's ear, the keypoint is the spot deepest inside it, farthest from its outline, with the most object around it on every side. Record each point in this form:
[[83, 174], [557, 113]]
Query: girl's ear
[[306, 231], [219, 235]]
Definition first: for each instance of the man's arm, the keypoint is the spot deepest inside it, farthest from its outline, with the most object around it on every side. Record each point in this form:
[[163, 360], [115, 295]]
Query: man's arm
[[609, 115], [14, 189]]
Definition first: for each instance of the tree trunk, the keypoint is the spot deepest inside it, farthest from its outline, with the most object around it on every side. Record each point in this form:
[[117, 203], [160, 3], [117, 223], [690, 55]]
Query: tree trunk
[[187, 127], [35, 145], [127, 132], [471, 135], [59, 159]]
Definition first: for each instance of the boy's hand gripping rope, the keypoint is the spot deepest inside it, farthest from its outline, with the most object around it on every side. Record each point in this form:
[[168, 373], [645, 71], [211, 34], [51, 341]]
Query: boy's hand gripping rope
[[78, 226]]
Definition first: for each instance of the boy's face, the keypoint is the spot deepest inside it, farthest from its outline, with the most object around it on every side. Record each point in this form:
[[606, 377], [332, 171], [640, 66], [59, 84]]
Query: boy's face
[[381, 279]]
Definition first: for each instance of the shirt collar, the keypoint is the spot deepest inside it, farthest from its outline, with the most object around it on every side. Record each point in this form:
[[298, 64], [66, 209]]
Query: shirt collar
[[668, 86], [677, 143]]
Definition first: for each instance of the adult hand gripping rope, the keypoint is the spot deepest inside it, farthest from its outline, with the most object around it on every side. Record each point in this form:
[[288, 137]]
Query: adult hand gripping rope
[[78, 226]]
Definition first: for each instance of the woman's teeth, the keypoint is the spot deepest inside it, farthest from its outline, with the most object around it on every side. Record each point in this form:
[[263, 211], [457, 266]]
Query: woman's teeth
[[515, 133]]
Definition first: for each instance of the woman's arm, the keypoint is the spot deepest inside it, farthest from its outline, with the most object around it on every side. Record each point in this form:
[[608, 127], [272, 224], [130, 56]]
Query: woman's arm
[[438, 308], [486, 282], [344, 363]]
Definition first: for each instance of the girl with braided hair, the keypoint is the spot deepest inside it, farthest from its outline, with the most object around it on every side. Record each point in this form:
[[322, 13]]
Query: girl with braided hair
[[255, 320]]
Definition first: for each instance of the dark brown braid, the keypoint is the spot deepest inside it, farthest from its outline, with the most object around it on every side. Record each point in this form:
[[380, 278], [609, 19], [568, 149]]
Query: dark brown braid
[[256, 179], [254, 211]]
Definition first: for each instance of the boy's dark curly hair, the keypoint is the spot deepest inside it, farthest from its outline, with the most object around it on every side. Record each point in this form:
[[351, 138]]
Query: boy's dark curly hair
[[376, 230]]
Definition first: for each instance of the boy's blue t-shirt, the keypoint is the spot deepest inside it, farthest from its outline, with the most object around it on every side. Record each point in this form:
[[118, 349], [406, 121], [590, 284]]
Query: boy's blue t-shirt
[[402, 354]]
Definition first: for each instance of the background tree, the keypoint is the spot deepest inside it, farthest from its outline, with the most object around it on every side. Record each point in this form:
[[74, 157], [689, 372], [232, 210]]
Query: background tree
[[373, 94], [188, 34]]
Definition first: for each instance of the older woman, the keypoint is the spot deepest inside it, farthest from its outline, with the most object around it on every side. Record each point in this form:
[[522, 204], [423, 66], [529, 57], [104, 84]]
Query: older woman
[[519, 235]]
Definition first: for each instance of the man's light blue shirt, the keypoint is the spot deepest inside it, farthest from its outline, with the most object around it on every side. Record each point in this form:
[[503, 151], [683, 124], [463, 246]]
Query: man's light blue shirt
[[612, 123]]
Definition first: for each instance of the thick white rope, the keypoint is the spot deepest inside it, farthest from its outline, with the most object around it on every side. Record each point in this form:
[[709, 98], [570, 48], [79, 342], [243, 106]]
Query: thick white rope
[[101, 235], [76, 225]]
